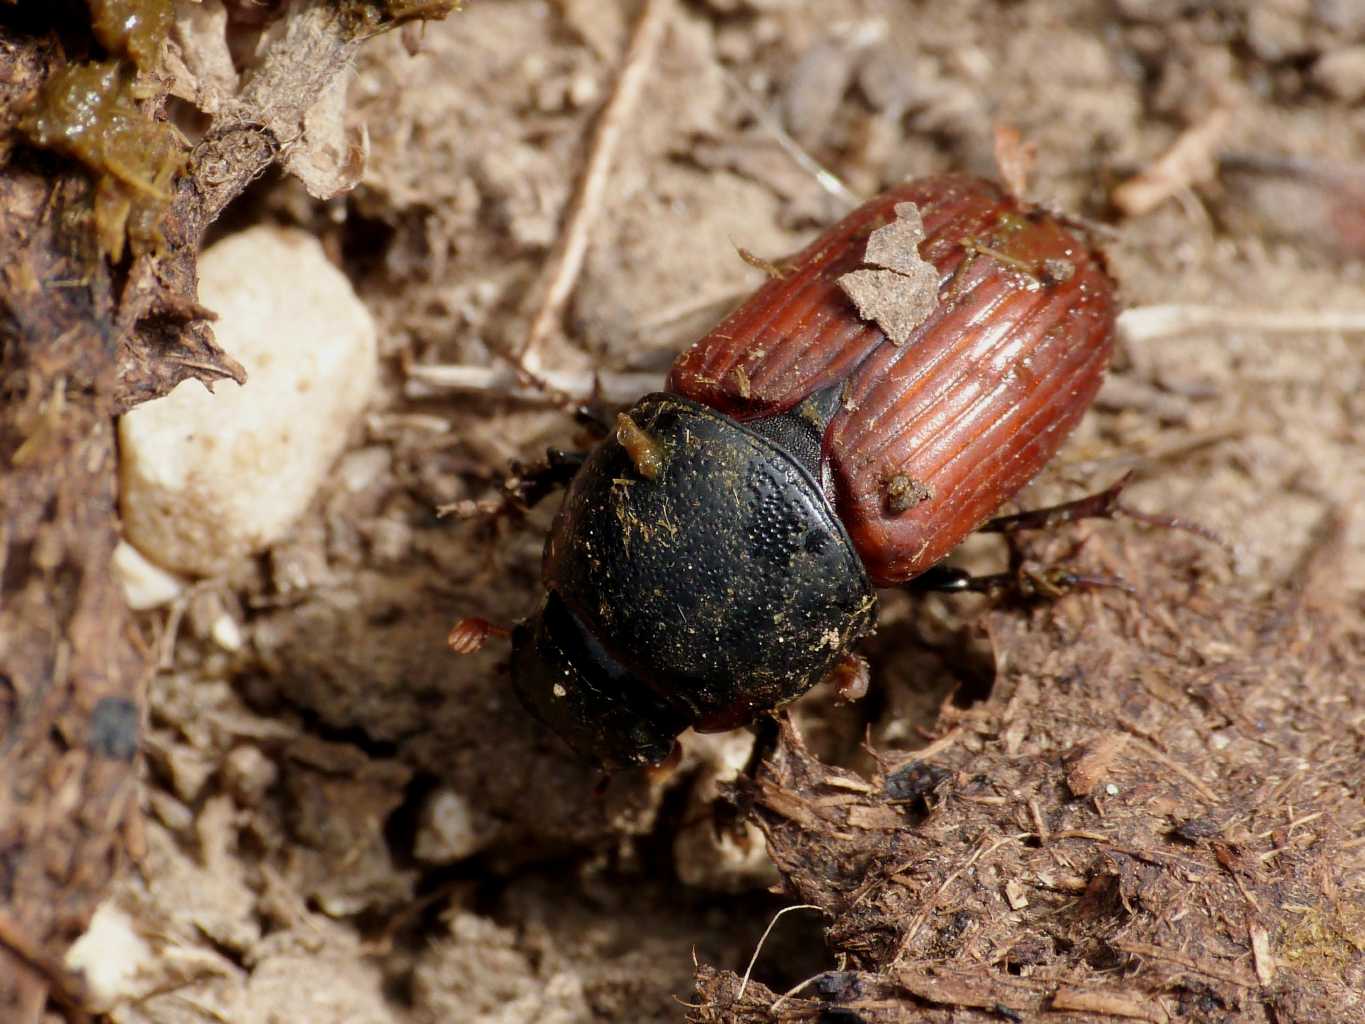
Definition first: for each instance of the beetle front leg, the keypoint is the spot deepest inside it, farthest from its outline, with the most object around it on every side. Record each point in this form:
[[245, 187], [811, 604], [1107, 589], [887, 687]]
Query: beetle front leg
[[526, 487]]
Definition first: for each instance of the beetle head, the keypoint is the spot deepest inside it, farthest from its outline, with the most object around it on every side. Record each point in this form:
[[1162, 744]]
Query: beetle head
[[598, 707]]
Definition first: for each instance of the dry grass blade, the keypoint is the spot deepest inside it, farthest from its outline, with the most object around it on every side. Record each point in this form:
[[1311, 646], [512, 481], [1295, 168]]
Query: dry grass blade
[[567, 259]]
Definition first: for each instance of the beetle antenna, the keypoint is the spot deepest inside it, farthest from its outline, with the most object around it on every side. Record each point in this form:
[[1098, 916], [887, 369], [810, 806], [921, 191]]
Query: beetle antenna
[[471, 633]]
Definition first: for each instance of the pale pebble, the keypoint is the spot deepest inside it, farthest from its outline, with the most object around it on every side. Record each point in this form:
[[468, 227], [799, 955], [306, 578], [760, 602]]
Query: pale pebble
[[209, 479]]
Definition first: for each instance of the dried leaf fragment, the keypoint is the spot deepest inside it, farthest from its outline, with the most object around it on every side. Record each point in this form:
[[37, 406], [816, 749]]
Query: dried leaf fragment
[[1091, 762], [1015, 157], [328, 157], [1191, 160], [1116, 1004], [901, 289], [198, 59], [1261, 955], [1014, 893]]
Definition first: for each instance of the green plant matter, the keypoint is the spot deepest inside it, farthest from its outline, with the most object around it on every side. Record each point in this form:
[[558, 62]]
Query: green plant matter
[[132, 27], [90, 112]]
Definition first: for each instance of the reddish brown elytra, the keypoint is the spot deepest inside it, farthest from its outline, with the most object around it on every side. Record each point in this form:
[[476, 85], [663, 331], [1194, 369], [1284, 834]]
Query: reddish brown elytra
[[937, 433]]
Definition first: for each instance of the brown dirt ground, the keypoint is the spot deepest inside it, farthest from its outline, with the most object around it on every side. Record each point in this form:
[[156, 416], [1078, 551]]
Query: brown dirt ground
[[287, 786]]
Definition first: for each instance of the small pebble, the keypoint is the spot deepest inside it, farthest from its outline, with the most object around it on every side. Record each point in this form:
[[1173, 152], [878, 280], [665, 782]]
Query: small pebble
[[451, 829], [109, 957], [1342, 73], [208, 479], [248, 773], [145, 584]]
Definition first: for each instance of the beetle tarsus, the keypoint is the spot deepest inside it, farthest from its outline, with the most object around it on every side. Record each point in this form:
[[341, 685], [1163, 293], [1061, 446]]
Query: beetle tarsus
[[594, 415], [766, 735], [529, 485], [524, 488]]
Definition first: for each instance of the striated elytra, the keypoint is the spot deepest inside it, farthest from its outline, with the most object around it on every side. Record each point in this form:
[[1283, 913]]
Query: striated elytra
[[717, 555]]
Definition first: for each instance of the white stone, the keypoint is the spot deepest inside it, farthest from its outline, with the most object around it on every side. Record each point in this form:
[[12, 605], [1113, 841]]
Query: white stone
[[208, 479], [451, 829], [145, 584], [702, 858], [227, 634], [111, 956]]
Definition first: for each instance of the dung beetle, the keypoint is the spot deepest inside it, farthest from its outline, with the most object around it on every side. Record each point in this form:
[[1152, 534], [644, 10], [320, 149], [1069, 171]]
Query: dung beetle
[[719, 553]]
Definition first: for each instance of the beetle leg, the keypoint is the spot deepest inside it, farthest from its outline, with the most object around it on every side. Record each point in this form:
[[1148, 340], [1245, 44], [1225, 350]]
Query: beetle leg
[[1030, 582], [1104, 505], [529, 485], [945, 579], [1052, 581], [593, 416], [766, 735], [525, 488]]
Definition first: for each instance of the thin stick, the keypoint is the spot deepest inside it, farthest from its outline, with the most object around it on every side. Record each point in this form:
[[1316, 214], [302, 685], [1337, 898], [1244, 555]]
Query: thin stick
[[1208, 970], [798, 987], [1194, 780], [937, 746], [1145, 323], [504, 382], [764, 938], [1137, 325], [827, 179], [567, 260], [1189, 162]]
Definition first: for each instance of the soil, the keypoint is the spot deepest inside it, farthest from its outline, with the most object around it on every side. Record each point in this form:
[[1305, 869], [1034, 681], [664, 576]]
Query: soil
[[1115, 806]]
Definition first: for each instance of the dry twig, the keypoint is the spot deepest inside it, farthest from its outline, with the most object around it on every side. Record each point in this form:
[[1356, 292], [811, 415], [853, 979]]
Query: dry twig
[[567, 260], [1135, 326]]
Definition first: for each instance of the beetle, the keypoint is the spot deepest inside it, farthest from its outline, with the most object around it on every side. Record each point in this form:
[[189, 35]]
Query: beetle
[[720, 552]]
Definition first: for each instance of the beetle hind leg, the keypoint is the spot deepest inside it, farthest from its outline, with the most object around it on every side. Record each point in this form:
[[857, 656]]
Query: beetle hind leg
[[1103, 504], [1033, 582], [1030, 582]]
